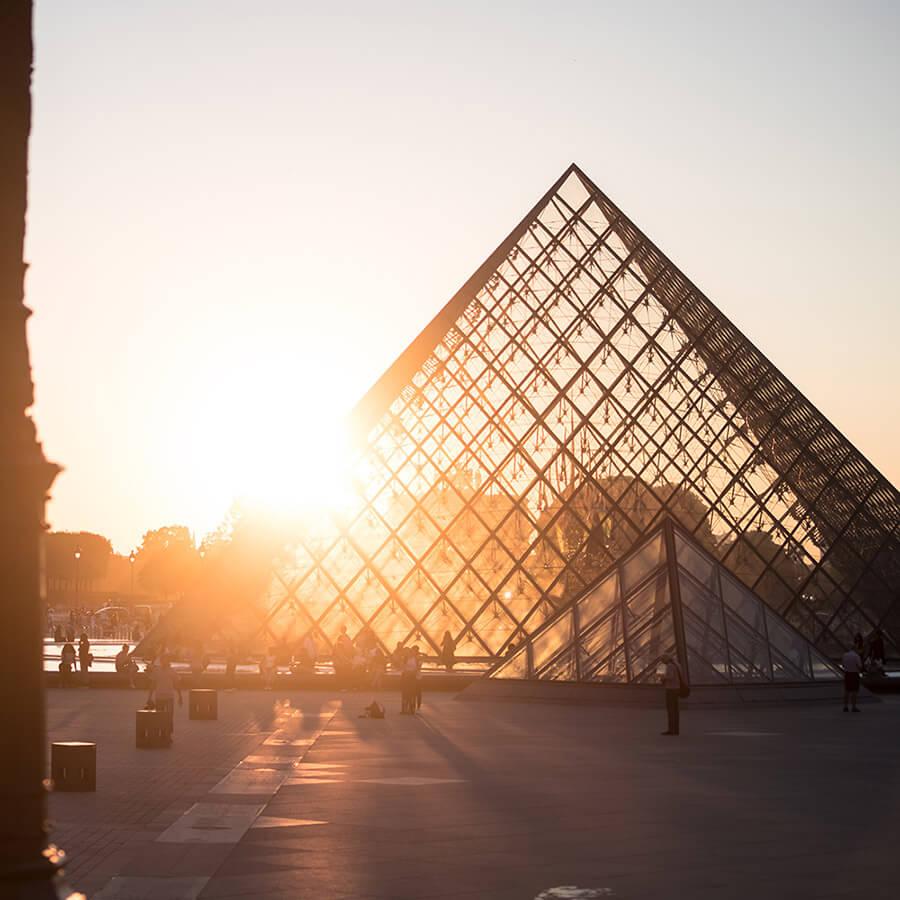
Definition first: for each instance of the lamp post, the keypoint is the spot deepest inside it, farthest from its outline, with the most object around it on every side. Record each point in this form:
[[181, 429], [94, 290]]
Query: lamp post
[[131, 558], [77, 568], [28, 866]]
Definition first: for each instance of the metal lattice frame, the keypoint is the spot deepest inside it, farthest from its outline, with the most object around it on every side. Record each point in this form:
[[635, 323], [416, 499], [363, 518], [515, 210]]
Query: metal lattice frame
[[576, 390]]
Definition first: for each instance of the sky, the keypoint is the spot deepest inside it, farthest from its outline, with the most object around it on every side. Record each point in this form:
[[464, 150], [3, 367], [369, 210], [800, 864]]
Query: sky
[[240, 214]]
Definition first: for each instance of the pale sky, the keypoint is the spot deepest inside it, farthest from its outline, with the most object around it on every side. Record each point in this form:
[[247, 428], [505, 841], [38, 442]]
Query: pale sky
[[240, 213]]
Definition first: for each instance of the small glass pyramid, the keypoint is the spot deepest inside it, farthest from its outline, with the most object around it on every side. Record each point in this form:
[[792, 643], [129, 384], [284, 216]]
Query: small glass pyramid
[[668, 596]]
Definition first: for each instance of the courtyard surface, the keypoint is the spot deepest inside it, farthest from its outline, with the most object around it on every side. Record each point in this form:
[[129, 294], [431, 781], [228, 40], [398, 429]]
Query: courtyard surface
[[292, 795]]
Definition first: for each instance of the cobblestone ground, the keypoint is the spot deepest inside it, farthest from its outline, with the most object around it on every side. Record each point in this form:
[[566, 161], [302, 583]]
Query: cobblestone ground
[[295, 796]]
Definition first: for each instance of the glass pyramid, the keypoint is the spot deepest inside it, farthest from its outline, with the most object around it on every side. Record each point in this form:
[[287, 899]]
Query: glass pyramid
[[668, 596], [575, 391]]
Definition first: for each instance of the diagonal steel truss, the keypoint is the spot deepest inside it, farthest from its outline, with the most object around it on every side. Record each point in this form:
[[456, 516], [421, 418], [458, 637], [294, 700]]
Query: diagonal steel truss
[[573, 393]]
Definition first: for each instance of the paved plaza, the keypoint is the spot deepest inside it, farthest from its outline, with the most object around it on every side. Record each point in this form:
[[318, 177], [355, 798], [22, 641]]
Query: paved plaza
[[292, 795]]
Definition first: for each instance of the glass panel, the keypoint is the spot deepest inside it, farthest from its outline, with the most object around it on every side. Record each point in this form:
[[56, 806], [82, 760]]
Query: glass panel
[[703, 641], [647, 648], [611, 669], [749, 652], [743, 602], [638, 566], [784, 670], [822, 669], [700, 567], [600, 640], [706, 607], [647, 602], [789, 644], [701, 672], [561, 669], [597, 601], [515, 667], [552, 640]]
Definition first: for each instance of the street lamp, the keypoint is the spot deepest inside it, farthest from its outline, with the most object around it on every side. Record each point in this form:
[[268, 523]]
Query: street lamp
[[131, 558], [77, 566]]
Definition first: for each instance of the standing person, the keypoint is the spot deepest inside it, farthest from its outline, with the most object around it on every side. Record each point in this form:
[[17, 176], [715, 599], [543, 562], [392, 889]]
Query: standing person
[[408, 684], [198, 663], [125, 665], [852, 666], [66, 664], [448, 651], [417, 696], [343, 655], [673, 679], [267, 669], [230, 668], [84, 656], [377, 665], [164, 686], [310, 651]]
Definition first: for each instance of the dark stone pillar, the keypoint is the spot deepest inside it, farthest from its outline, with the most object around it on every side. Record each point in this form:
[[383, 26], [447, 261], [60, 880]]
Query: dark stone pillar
[[28, 867]]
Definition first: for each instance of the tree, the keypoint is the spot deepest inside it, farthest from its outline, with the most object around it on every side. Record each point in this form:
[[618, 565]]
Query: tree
[[168, 560], [61, 566]]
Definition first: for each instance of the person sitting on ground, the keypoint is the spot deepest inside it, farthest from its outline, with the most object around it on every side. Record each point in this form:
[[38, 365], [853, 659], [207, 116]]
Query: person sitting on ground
[[125, 665], [852, 666], [373, 711]]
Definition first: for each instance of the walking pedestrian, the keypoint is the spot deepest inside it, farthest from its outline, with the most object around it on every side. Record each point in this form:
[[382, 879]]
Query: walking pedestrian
[[852, 665], [164, 686], [674, 683]]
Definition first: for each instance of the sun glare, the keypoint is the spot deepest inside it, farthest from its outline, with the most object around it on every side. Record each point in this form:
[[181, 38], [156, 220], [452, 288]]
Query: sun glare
[[287, 451]]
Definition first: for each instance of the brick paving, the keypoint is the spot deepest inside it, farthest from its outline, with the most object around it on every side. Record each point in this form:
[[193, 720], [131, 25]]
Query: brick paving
[[489, 800]]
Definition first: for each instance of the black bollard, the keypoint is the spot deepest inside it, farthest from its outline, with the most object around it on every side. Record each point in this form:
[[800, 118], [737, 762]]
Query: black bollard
[[151, 728], [203, 704], [73, 766]]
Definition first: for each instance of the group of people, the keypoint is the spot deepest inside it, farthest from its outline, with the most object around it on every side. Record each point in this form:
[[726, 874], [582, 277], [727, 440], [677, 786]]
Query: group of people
[[67, 661], [360, 662], [408, 662]]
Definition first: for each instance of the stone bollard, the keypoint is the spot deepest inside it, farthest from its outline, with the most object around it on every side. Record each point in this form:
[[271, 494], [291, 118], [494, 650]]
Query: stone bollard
[[73, 766], [151, 729], [203, 704]]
